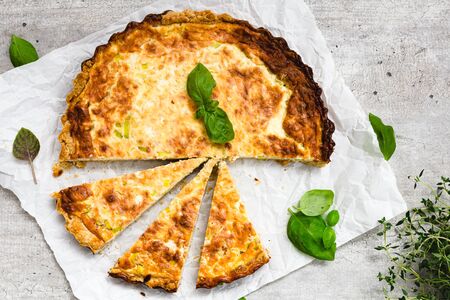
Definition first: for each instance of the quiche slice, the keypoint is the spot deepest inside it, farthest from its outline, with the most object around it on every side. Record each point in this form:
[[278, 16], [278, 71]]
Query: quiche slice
[[232, 248], [96, 212], [157, 258], [130, 99]]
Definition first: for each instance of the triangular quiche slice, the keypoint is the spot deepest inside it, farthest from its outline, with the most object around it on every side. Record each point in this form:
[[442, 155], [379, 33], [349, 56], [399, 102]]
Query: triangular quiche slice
[[157, 258], [96, 212], [130, 99], [232, 249]]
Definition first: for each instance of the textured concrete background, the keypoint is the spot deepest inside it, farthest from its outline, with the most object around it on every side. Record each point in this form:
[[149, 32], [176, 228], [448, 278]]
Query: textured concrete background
[[394, 55]]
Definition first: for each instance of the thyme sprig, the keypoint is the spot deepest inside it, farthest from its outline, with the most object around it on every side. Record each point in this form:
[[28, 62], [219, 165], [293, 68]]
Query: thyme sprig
[[418, 246]]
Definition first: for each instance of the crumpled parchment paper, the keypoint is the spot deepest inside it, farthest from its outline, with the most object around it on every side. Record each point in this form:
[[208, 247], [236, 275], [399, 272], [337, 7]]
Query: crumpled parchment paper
[[33, 96]]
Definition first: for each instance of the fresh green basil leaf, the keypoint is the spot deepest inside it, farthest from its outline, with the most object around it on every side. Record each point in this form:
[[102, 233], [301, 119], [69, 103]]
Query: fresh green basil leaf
[[218, 126], [200, 84], [333, 218], [212, 105], [306, 234], [200, 113], [21, 52], [242, 298], [315, 202], [26, 146], [385, 135], [329, 237]]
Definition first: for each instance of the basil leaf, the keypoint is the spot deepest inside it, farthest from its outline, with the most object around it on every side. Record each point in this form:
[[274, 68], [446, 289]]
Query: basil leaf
[[306, 234], [200, 84], [21, 52], [333, 218], [315, 202], [212, 105], [329, 237], [218, 126], [385, 135], [200, 113], [26, 147]]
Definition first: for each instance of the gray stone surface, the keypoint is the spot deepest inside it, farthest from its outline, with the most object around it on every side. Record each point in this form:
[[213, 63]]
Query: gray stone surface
[[394, 55]]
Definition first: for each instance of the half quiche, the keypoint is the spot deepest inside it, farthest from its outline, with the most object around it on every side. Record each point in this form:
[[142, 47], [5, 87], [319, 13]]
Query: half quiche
[[130, 99], [157, 258], [96, 212], [232, 248]]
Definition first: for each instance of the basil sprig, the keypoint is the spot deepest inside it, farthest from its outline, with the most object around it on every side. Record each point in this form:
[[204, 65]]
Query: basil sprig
[[200, 84], [21, 52], [307, 229], [385, 135]]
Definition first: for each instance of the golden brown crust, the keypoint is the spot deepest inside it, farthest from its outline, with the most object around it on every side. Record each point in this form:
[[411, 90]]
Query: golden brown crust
[[157, 258], [232, 249], [65, 205], [305, 121], [252, 267], [95, 213]]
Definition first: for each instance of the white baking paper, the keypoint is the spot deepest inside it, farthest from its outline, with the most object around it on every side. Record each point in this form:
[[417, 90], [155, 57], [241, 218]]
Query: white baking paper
[[33, 96]]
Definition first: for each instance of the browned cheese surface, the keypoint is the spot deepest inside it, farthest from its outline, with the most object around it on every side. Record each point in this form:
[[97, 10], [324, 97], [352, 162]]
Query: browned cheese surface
[[232, 249], [157, 258], [96, 212], [130, 100]]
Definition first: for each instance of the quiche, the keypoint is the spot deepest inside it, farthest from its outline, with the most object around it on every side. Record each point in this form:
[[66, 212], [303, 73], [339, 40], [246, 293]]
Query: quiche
[[232, 248], [97, 212], [157, 258], [130, 101]]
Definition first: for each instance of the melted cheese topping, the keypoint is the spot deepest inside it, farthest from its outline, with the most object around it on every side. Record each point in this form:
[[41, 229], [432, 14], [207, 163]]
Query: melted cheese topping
[[133, 102], [232, 248], [160, 102], [96, 212], [157, 258]]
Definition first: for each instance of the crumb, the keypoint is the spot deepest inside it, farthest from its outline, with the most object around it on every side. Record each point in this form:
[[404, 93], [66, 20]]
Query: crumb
[[58, 169], [37, 41], [431, 96], [380, 62], [284, 162], [257, 180], [375, 92], [389, 74], [143, 294], [24, 24], [336, 46]]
